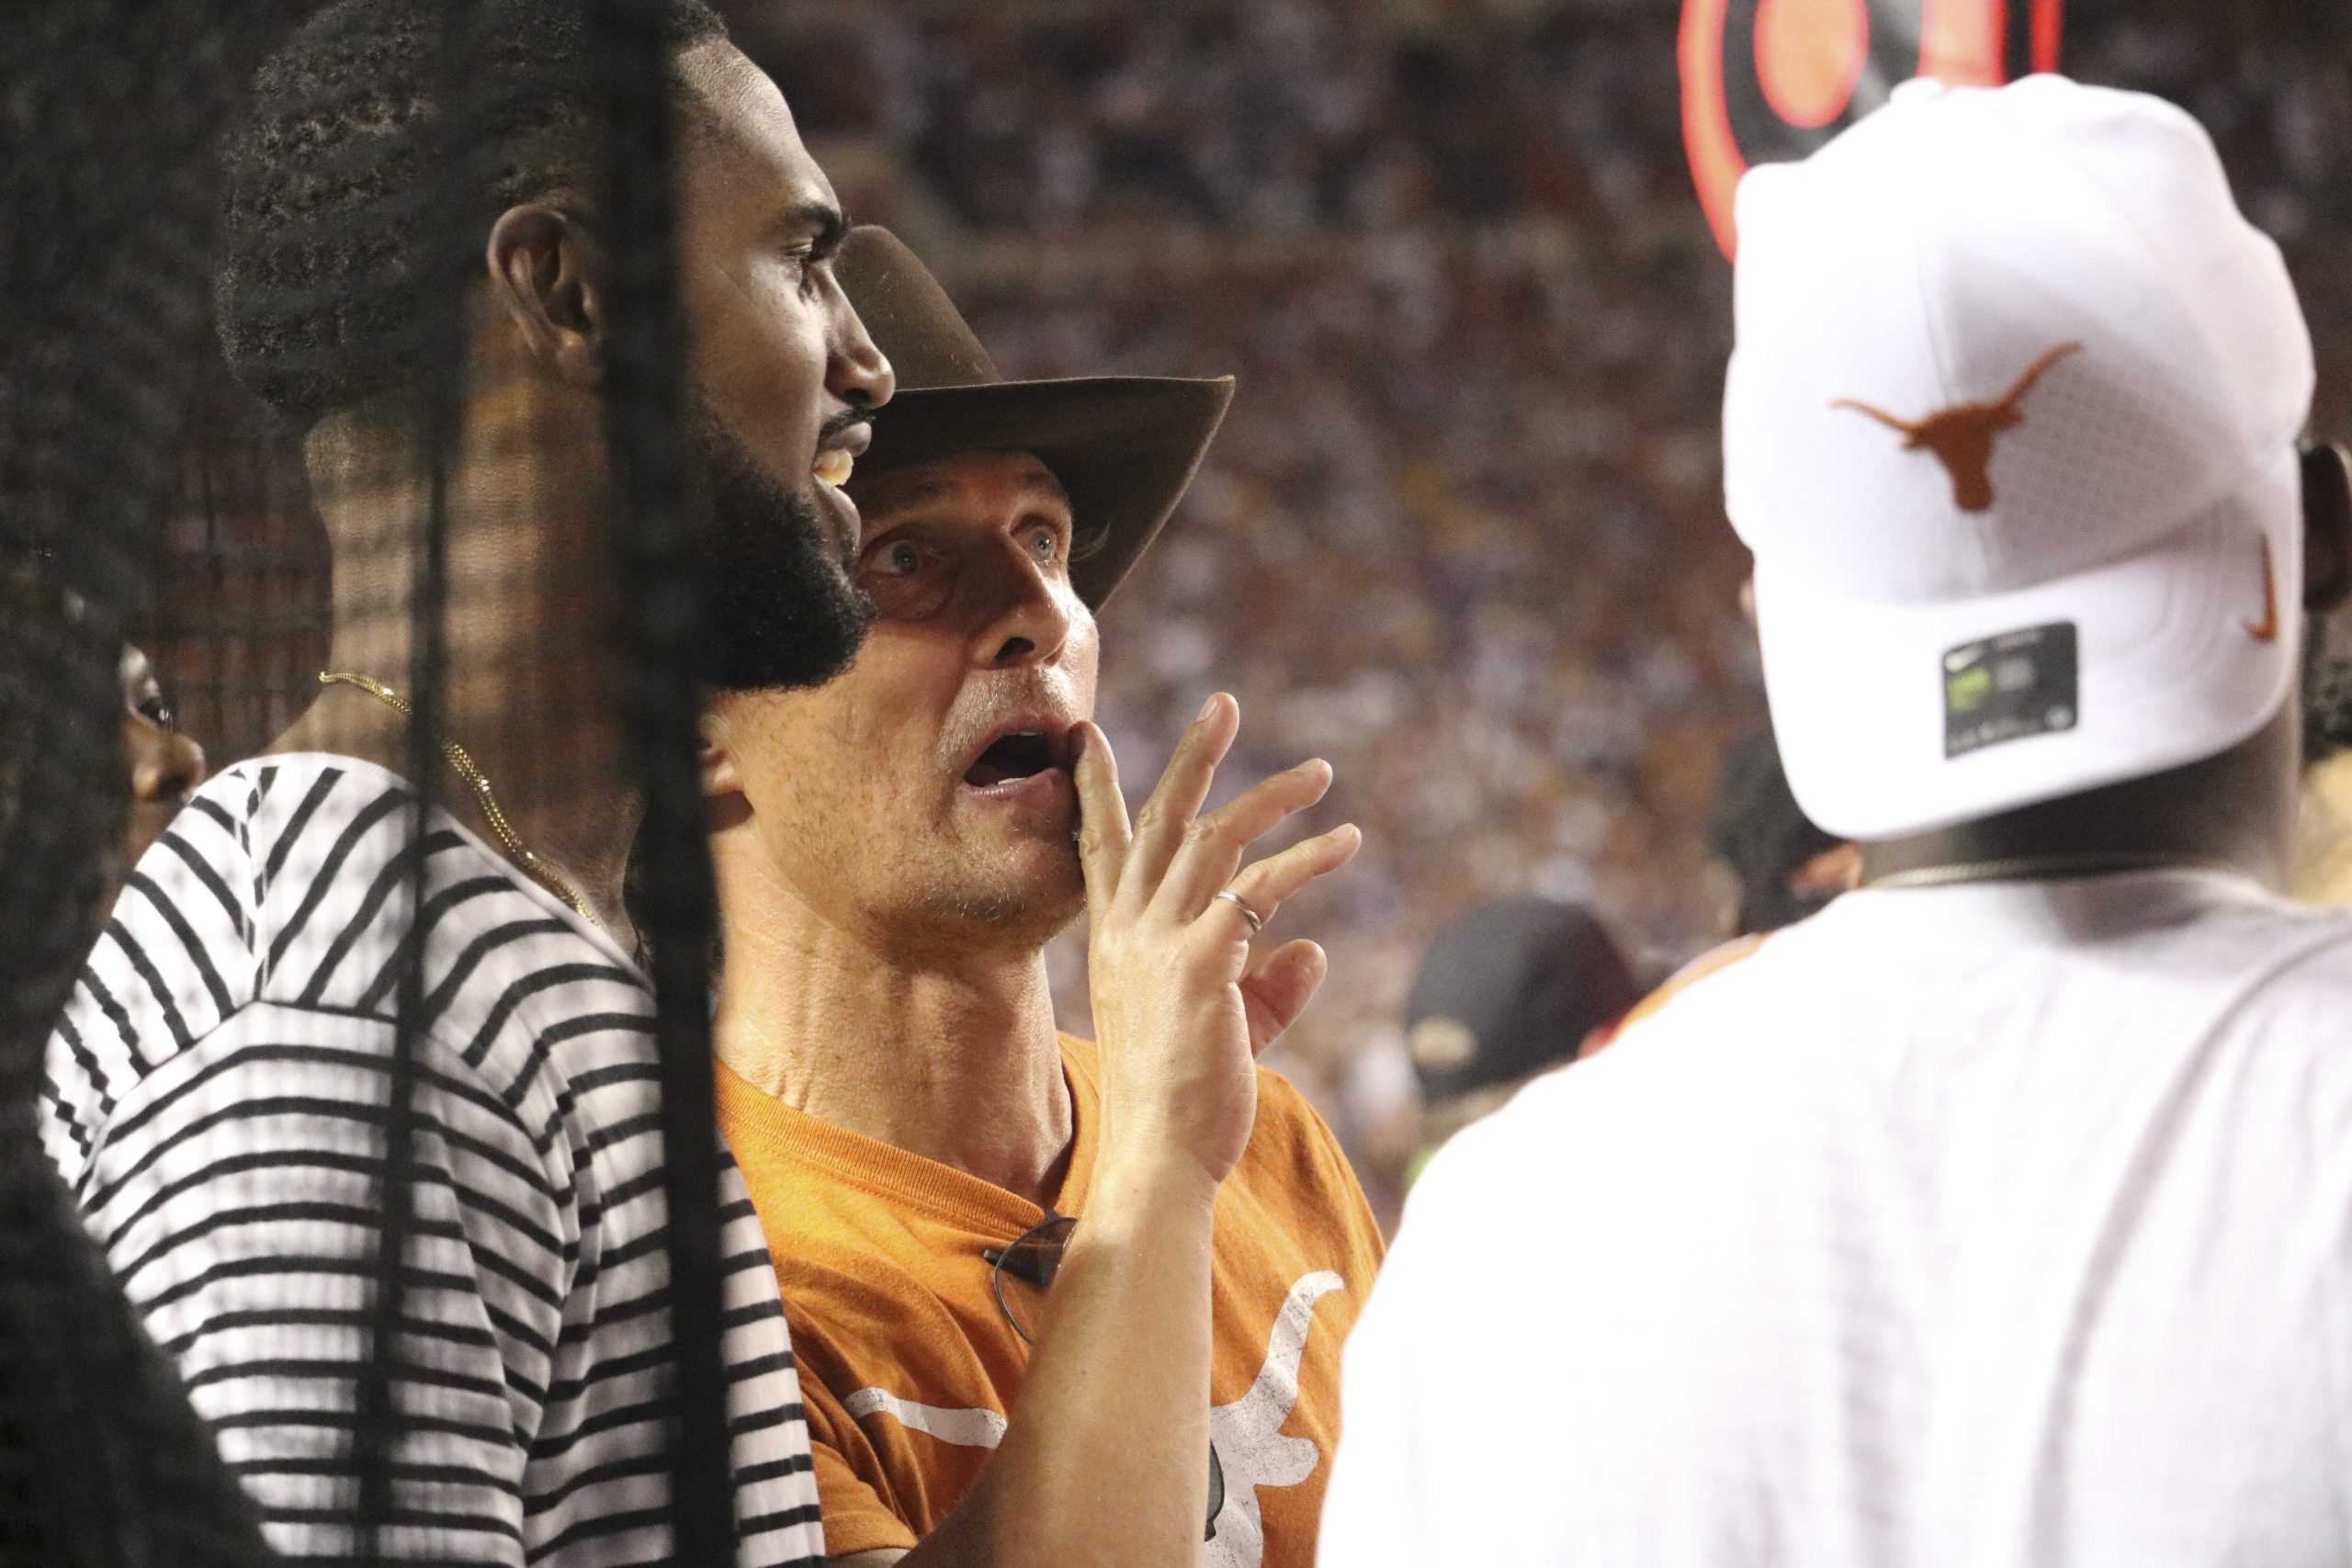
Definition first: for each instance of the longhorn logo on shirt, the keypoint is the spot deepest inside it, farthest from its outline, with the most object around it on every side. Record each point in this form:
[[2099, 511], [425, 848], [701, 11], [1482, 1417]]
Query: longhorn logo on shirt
[[1248, 1433], [1961, 437]]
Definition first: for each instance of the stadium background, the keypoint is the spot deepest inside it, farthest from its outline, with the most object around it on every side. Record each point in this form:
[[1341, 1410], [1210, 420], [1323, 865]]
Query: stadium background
[[1462, 534]]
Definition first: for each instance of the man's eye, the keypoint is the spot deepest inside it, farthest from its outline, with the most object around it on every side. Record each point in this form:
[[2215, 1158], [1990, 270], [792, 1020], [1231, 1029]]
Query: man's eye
[[158, 712], [1047, 545], [900, 560], [817, 270]]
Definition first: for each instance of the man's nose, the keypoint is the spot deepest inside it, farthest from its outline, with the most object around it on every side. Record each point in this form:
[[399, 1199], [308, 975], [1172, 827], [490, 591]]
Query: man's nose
[[859, 373], [1035, 626]]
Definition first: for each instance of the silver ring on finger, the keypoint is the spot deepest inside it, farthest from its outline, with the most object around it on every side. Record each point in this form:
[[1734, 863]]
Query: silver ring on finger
[[1257, 922]]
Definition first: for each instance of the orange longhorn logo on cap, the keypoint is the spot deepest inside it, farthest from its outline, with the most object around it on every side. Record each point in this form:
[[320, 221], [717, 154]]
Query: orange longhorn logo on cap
[[2267, 629], [1962, 438]]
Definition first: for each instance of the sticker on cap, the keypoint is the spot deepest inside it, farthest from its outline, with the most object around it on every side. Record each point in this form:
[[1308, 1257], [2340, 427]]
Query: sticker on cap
[[2009, 687]]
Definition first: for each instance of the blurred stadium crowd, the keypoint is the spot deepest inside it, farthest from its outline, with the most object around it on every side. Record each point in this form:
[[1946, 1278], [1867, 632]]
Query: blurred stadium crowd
[[1462, 534]]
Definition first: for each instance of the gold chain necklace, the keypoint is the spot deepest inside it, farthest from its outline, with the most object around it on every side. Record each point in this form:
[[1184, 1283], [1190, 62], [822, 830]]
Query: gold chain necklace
[[540, 872]]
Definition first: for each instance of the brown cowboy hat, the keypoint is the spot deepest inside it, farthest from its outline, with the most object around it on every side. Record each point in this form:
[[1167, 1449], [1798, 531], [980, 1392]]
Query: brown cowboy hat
[[1125, 447]]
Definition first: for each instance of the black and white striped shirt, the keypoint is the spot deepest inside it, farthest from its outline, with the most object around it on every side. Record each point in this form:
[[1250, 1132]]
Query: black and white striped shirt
[[216, 1099]]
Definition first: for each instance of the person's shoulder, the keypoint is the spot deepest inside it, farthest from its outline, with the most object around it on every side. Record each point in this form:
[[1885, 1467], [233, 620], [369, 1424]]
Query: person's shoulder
[[276, 885], [1714, 961], [1729, 998], [2293, 959], [305, 825], [2322, 936], [514, 983], [1295, 1160], [1464, 1219], [282, 798], [1628, 1106], [1544, 1121], [2221, 937], [1283, 1108], [178, 955]]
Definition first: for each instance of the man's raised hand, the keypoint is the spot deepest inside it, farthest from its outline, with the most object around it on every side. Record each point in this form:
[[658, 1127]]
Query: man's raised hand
[[1179, 1010]]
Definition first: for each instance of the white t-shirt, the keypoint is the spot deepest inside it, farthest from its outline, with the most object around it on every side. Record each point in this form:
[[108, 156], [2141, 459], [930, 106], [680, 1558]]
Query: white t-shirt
[[1993, 1226], [217, 1100]]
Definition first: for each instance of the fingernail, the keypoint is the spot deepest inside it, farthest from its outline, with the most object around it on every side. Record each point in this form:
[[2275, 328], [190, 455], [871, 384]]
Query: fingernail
[[1206, 709]]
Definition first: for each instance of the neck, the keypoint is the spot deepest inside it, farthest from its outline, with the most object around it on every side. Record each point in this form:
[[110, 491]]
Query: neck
[[522, 690], [2232, 812], [957, 1061]]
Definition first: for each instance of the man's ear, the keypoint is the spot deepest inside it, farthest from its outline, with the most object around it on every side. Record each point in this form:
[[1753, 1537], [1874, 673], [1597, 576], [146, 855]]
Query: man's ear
[[714, 758], [548, 277], [2327, 527]]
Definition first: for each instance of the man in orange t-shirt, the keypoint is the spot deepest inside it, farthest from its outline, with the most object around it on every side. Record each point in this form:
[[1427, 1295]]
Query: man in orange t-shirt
[[1155, 1381], [910, 1367]]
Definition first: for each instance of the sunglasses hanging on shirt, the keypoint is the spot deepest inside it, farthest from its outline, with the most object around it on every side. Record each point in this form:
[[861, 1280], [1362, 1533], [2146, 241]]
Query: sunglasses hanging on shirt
[[1034, 1258]]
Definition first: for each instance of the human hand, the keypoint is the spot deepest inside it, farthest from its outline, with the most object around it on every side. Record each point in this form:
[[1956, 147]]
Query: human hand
[[1181, 1008]]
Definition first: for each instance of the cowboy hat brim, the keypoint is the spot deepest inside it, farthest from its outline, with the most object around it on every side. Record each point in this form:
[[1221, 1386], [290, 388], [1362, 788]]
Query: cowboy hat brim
[[1125, 449]]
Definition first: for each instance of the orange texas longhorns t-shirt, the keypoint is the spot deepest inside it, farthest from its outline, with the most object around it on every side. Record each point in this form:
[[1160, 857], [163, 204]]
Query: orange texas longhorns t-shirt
[[909, 1367]]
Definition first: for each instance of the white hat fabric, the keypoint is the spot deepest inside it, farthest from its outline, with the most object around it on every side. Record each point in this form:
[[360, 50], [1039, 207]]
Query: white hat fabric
[[2010, 428]]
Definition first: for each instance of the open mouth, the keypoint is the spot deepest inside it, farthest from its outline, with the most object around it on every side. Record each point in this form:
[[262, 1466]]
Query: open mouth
[[838, 446], [1022, 754]]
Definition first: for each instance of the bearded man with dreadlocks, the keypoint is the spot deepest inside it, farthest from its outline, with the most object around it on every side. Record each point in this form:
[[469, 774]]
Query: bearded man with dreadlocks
[[219, 1079]]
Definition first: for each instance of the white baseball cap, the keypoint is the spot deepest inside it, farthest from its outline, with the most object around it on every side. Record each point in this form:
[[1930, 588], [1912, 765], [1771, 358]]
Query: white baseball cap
[[2010, 427]]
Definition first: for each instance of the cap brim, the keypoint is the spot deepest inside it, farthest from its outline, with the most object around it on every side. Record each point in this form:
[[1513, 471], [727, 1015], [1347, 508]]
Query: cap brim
[[1125, 447], [2169, 672]]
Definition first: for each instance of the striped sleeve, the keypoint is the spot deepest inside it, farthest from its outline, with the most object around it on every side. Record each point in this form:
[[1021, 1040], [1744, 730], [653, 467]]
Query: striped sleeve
[[237, 1192]]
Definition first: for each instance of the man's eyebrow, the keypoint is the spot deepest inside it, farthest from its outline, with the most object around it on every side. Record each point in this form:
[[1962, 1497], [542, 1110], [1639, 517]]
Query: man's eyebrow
[[1037, 476], [1046, 480], [922, 493], [831, 224], [913, 492]]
